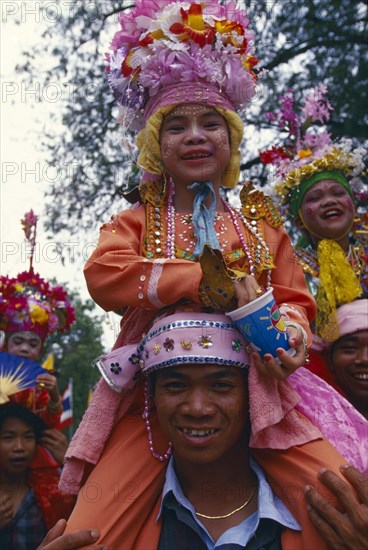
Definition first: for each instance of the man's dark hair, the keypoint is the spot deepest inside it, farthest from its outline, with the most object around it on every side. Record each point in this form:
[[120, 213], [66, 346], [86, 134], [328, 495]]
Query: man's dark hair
[[14, 410]]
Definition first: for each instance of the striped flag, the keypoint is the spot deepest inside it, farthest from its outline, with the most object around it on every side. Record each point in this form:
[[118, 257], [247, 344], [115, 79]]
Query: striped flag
[[67, 403]]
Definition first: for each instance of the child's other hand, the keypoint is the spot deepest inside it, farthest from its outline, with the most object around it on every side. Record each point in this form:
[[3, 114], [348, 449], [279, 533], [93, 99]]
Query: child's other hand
[[49, 383], [246, 290], [56, 442], [288, 364]]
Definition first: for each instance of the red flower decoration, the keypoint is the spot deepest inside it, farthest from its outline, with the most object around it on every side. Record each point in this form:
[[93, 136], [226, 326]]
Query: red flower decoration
[[275, 153], [194, 27]]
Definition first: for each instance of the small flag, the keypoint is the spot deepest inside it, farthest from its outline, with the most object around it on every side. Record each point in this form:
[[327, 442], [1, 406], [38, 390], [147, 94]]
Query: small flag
[[67, 404], [48, 363]]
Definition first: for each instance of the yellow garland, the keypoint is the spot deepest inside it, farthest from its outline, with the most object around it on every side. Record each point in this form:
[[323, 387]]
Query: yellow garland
[[336, 160], [338, 285]]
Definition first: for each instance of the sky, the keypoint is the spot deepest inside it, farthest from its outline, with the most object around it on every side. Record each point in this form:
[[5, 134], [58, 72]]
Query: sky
[[25, 174]]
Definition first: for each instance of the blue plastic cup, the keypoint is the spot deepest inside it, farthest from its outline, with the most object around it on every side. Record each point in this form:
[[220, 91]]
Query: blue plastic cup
[[262, 325]]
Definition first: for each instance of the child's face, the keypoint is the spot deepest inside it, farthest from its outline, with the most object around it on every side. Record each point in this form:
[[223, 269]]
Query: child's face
[[195, 144], [349, 363], [327, 210], [25, 344], [17, 445]]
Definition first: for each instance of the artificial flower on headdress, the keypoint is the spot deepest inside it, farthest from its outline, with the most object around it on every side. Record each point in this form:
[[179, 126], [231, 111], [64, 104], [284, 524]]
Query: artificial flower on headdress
[[28, 302], [309, 154], [163, 43]]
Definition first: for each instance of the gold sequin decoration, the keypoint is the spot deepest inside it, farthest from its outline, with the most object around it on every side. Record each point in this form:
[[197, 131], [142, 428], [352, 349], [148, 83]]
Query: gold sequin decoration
[[205, 342], [186, 344], [156, 349], [257, 205]]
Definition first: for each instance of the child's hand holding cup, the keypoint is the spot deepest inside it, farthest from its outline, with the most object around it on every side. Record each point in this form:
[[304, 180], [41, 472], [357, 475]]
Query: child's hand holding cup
[[261, 323]]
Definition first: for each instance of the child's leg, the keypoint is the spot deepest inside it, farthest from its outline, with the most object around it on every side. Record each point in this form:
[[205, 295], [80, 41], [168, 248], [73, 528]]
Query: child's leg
[[123, 488], [288, 472]]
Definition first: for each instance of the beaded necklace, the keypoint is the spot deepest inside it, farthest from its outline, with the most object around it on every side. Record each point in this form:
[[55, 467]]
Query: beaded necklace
[[146, 415], [236, 216]]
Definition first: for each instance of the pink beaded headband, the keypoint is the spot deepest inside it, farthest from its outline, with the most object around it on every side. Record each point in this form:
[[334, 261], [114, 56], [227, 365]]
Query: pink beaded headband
[[183, 338], [193, 338]]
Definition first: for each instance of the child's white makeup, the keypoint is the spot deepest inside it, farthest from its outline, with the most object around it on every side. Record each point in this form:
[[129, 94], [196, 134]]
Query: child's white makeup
[[195, 145]]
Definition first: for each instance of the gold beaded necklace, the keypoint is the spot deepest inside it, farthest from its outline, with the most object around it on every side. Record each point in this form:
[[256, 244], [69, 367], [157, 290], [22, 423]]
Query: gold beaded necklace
[[230, 513]]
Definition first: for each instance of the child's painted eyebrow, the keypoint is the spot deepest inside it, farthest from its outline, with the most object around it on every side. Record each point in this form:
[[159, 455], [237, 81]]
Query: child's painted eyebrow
[[171, 118]]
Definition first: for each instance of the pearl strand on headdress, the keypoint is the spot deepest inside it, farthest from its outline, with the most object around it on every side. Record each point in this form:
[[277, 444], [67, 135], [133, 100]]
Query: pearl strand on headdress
[[146, 415]]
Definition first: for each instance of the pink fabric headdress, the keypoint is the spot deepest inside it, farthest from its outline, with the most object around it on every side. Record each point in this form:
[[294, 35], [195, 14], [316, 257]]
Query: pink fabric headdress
[[352, 317], [188, 92], [193, 338]]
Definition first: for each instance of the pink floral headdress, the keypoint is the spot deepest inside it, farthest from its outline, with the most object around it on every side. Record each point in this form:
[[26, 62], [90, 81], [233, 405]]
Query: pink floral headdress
[[308, 150], [28, 302], [164, 43]]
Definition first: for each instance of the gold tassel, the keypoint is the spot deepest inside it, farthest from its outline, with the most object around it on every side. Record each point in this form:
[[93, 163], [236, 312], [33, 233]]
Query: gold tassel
[[338, 285]]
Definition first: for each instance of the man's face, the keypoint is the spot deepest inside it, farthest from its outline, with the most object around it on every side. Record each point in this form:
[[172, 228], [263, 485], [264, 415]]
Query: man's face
[[327, 210], [17, 446], [25, 344], [195, 144], [203, 411], [349, 364]]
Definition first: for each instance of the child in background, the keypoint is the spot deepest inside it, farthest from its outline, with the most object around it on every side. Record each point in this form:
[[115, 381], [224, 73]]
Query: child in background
[[31, 309], [320, 184], [30, 502]]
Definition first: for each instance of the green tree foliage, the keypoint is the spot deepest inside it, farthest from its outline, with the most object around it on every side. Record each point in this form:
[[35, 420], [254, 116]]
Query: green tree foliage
[[74, 354], [300, 44]]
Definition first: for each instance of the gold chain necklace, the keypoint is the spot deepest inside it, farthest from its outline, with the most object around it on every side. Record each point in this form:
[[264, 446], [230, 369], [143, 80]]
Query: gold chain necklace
[[230, 513]]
